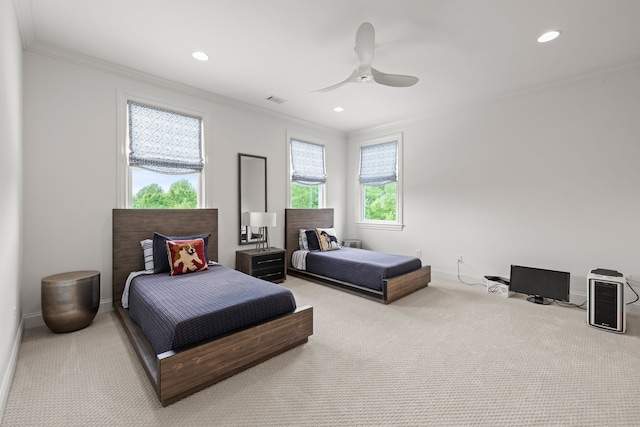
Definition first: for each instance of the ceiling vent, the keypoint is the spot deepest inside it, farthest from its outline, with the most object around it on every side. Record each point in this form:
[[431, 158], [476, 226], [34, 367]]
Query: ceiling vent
[[275, 99]]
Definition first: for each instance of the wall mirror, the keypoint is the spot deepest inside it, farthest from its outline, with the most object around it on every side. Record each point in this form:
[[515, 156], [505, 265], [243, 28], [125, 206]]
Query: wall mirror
[[252, 193]]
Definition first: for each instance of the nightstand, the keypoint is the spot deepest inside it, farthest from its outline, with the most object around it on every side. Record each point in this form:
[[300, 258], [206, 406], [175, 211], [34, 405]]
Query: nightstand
[[267, 265]]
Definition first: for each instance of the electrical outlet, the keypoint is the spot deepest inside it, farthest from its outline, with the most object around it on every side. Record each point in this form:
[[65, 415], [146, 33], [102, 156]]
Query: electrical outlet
[[419, 253], [459, 258]]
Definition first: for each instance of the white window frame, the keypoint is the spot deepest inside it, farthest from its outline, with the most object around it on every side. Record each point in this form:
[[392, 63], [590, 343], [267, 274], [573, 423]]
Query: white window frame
[[124, 171], [322, 188], [361, 222]]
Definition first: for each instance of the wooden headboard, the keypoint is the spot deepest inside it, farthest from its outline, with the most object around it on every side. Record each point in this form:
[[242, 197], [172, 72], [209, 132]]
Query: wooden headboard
[[130, 226], [295, 219]]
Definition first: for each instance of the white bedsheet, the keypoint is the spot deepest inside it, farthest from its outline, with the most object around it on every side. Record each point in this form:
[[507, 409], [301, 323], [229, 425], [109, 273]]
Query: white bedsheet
[[299, 259], [125, 293]]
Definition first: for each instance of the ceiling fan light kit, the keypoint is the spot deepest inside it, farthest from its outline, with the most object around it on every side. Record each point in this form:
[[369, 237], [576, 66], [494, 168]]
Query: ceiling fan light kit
[[365, 45]]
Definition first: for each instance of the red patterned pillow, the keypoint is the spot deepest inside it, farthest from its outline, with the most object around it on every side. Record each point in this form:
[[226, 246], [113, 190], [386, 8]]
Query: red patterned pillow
[[186, 256]]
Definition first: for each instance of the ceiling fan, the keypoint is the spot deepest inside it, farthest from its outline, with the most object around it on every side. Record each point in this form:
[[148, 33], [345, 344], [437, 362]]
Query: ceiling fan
[[365, 44]]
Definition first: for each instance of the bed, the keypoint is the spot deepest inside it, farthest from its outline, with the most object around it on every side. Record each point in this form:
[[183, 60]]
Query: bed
[[176, 374], [393, 287]]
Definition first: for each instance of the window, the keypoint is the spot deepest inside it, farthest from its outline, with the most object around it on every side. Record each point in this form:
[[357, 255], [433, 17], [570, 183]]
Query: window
[[380, 189], [308, 177], [165, 162]]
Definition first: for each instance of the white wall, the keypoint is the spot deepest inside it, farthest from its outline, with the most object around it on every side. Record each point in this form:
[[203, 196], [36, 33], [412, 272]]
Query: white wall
[[70, 142], [549, 179], [11, 191], [512, 181]]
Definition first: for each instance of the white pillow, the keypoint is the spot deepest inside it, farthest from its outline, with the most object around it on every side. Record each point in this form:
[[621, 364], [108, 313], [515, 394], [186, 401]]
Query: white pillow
[[302, 240], [147, 251]]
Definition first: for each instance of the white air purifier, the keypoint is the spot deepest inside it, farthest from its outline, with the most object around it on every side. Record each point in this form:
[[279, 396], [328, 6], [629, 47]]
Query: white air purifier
[[605, 300]]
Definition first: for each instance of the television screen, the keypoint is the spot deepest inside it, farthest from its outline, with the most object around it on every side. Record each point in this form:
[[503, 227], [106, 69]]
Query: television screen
[[540, 284]]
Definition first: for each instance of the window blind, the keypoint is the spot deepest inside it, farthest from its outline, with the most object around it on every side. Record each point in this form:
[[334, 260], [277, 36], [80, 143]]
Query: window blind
[[307, 162], [164, 141], [378, 163]]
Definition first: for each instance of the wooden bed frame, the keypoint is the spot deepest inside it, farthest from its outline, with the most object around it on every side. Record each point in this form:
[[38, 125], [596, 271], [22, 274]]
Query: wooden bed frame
[[392, 289], [178, 374]]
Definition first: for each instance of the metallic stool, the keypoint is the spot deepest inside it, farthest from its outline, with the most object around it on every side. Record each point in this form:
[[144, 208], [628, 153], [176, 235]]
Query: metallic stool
[[70, 301]]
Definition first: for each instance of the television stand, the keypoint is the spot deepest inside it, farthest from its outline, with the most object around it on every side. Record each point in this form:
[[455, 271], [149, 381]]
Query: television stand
[[537, 299]]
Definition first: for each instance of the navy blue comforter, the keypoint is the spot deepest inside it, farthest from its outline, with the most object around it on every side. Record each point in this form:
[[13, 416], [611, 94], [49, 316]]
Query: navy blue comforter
[[178, 311], [360, 266]]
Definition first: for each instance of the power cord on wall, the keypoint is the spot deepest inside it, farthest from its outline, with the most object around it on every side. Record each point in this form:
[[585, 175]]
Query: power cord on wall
[[634, 291], [465, 283]]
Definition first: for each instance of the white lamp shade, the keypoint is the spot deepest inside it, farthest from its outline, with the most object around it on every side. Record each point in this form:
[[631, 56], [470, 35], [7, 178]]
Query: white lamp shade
[[262, 219], [245, 218]]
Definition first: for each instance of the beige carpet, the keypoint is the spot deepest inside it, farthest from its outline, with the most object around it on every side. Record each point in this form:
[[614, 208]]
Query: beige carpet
[[448, 355]]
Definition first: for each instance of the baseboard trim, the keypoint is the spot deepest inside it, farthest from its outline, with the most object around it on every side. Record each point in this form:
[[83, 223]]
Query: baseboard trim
[[11, 369], [34, 320]]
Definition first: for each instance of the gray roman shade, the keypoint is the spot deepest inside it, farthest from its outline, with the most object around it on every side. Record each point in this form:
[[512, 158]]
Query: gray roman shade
[[307, 161], [378, 163], [164, 141]]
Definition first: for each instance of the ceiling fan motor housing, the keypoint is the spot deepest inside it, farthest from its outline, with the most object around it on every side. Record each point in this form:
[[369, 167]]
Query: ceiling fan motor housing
[[365, 45]]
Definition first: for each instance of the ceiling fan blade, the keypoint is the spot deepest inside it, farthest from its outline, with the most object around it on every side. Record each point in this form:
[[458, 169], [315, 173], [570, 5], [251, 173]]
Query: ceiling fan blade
[[365, 43], [350, 79], [395, 80]]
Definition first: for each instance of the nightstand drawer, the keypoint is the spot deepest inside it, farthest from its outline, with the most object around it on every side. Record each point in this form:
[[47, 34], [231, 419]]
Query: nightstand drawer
[[271, 273], [261, 261], [266, 265]]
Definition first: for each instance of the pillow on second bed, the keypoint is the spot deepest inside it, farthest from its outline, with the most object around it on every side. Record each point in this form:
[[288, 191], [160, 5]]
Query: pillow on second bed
[[313, 244], [186, 256], [302, 240], [308, 240], [328, 239]]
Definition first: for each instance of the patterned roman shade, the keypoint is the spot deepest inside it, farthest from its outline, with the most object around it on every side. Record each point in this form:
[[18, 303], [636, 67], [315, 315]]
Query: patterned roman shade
[[307, 161], [164, 141], [378, 163]]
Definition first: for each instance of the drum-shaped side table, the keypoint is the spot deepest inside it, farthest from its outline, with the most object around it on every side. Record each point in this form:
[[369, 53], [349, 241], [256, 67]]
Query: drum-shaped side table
[[70, 301]]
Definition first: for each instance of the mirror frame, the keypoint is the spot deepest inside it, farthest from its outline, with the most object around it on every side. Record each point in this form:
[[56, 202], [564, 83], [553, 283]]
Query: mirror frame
[[240, 157]]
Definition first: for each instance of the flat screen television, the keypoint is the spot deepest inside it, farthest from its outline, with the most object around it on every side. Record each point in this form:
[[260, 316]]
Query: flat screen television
[[541, 285]]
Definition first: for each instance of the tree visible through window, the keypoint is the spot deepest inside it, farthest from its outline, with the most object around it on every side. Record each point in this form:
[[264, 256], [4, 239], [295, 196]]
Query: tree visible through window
[[379, 181], [181, 195], [304, 196], [380, 202]]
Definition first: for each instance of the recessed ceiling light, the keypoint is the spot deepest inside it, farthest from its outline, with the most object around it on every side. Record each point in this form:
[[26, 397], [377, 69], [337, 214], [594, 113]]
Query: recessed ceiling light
[[338, 109], [548, 36], [200, 56]]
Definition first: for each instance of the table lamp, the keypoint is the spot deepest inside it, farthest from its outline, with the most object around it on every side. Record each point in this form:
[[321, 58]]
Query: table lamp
[[262, 220]]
